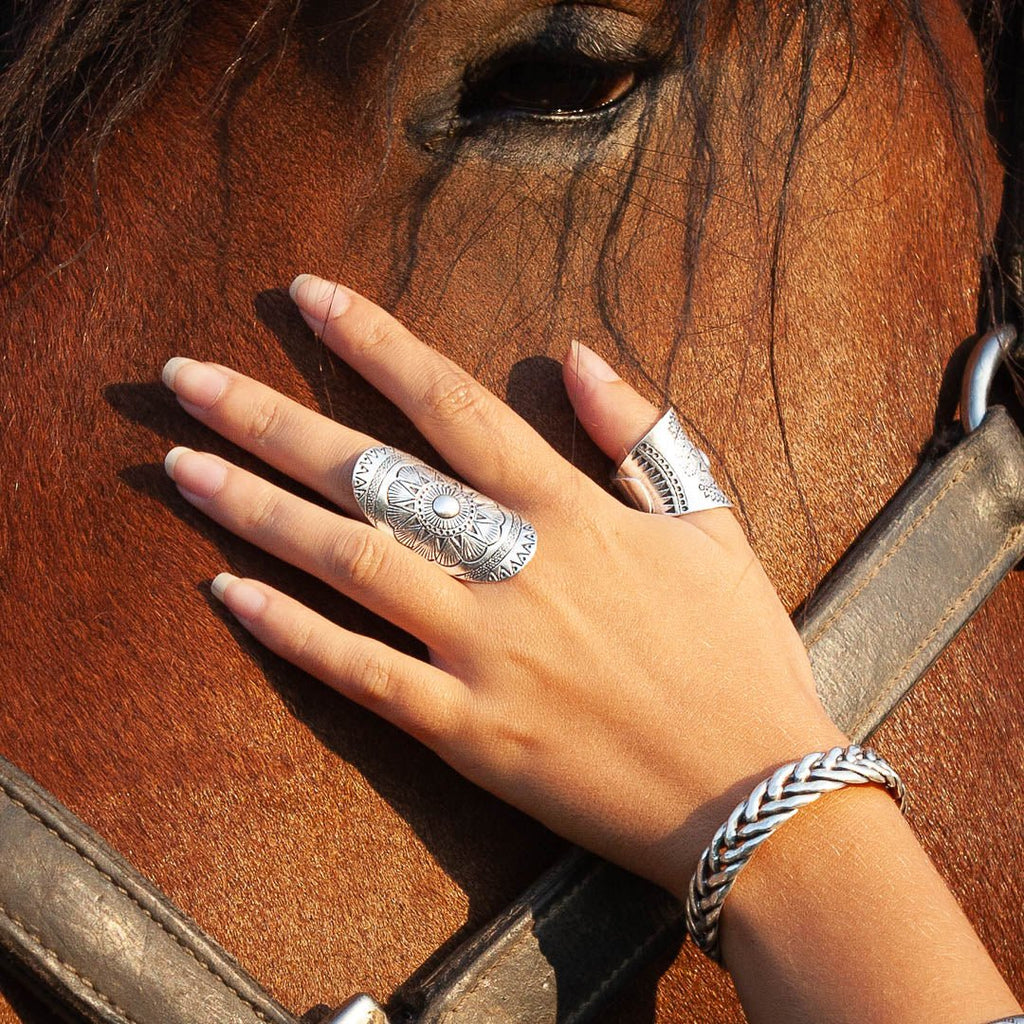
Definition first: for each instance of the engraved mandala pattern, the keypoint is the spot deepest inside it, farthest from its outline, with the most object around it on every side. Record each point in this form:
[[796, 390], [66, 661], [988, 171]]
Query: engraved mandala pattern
[[474, 537]]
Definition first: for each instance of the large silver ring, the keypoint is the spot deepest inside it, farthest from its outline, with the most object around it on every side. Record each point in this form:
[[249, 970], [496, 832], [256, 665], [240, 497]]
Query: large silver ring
[[666, 473], [467, 534]]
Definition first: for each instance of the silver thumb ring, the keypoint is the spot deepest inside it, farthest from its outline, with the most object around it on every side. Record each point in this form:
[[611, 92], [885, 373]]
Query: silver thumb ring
[[467, 534], [666, 473]]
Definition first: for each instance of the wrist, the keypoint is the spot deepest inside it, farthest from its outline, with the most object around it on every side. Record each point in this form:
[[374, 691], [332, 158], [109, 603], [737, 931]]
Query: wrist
[[843, 907], [806, 858], [737, 775]]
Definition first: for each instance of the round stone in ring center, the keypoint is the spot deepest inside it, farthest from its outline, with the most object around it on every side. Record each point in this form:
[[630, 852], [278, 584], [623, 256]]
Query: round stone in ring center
[[446, 506]]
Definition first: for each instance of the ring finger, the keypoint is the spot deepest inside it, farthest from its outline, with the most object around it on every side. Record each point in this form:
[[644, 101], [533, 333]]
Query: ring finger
[[352, 557]]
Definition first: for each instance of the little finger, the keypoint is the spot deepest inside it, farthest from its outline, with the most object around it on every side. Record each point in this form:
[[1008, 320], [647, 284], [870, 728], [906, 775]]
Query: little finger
[[417, 697]]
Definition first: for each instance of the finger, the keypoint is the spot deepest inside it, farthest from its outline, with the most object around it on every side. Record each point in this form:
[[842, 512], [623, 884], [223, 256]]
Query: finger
[[352, 557], [609, 410], [616, 418], [415, 696], [480, 437], [310, 448]]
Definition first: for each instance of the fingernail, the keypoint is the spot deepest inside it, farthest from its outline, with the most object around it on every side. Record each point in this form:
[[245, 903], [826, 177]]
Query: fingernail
[[587, 361], [242, 599], [171, 368], [299, 285], [197, 383], [220, 583], [172, 457], [201, 475], [319, 299]]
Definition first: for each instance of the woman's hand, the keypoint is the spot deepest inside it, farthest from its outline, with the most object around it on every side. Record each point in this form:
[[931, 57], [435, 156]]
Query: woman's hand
[[626, 688]]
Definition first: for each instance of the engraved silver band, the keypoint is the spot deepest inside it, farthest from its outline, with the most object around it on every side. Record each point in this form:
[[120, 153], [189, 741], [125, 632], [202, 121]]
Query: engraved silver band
[[772, 803], [467, 534], [666, 473]]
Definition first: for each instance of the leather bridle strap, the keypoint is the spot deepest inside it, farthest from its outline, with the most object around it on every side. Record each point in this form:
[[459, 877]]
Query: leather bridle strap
[[873, 627], [907, 587], [91, 932]]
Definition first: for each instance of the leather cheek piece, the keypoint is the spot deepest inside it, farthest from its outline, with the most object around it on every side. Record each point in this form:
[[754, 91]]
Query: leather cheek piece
[[916, 576], [87, 929]]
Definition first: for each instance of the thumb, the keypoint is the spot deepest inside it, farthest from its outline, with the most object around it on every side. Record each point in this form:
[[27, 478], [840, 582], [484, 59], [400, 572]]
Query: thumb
[[616, 417], [610, 411]]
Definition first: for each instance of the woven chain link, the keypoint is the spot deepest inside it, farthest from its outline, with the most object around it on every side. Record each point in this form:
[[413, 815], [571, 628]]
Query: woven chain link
[[772, 803]]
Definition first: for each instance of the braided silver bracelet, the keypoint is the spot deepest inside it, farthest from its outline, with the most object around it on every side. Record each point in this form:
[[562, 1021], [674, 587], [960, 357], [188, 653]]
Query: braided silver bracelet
[[771, 803]]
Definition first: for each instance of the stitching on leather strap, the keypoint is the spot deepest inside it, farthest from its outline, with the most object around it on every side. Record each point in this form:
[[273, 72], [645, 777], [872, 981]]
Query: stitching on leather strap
[[639, 952], [892, 552], [635, 954], [553, 908], [29, 937], [70, 844], [951, 610]]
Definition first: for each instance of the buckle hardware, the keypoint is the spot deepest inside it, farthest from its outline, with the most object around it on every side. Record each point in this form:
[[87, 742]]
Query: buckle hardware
[[360, 1009]]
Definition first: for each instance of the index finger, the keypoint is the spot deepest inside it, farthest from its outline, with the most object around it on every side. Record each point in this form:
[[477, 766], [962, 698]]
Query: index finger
[[479, 436]]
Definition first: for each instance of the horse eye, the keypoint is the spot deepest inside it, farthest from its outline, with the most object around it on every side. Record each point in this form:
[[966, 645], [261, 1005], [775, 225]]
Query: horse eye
[[548, 86]]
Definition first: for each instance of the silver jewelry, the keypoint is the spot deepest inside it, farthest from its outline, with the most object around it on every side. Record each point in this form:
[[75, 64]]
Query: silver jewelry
[[470, 536], [771, 803], [666, 473]]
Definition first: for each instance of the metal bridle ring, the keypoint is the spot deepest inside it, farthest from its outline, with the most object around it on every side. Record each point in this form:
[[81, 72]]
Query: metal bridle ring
[[992, 350], [467, 534], [666, 473]]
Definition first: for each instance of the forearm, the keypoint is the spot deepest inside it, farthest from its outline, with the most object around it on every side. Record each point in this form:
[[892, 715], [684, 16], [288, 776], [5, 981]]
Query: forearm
[[841, 916]]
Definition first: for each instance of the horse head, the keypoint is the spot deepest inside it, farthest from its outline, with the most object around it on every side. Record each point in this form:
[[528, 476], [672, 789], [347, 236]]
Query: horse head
[[771, 215]]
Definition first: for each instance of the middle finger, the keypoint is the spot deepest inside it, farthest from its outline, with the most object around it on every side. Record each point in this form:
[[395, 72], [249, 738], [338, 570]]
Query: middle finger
[[478, 435]]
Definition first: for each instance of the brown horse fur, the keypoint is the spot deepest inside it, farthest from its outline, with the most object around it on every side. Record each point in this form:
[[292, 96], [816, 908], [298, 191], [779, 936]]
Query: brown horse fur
[[798, 293]]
